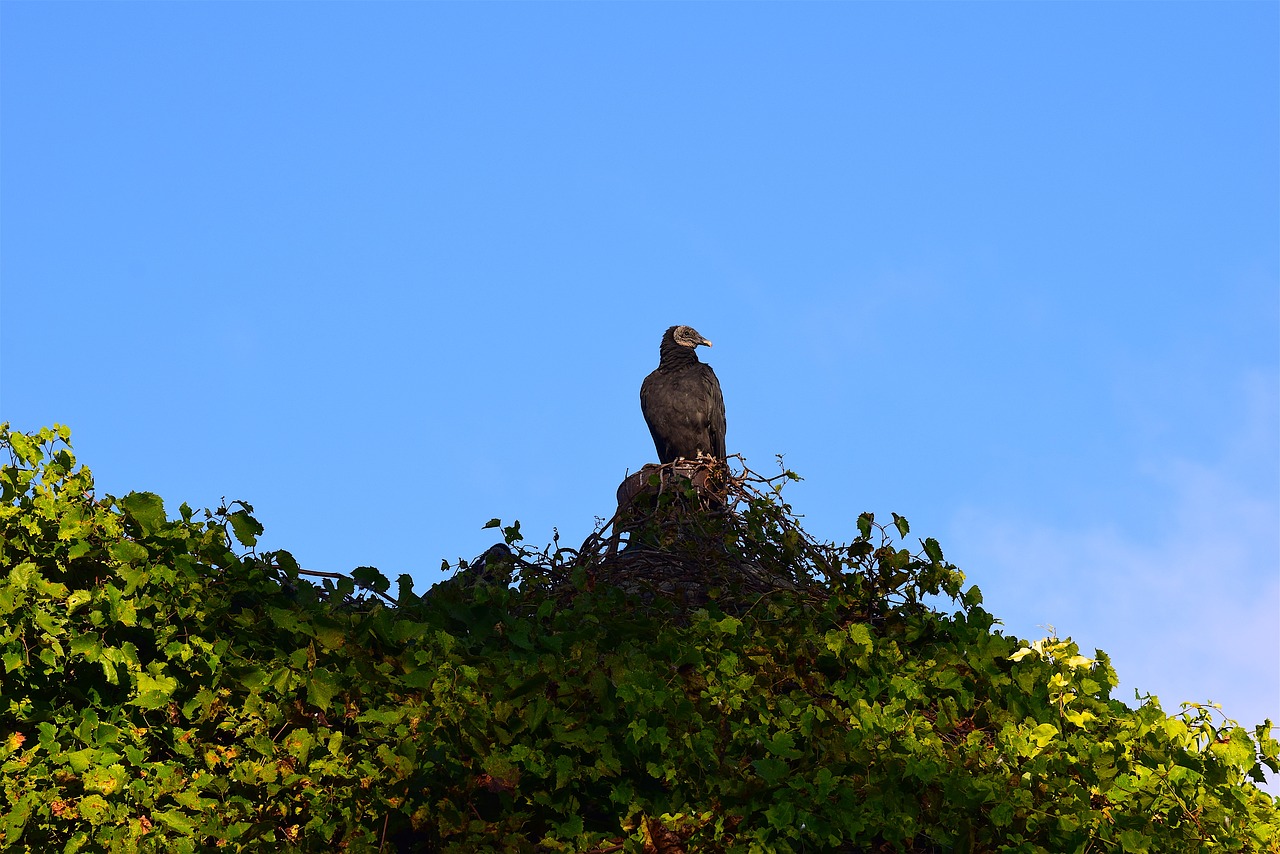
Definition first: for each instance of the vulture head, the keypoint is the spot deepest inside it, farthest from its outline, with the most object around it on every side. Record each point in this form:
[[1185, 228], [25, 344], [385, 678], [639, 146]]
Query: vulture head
[[687, 336]]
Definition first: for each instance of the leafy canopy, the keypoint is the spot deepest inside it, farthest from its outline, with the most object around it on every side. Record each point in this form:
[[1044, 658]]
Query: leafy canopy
[[168, 688]]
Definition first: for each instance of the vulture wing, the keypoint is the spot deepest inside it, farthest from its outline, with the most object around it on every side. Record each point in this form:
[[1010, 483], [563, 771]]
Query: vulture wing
[[716, 421]]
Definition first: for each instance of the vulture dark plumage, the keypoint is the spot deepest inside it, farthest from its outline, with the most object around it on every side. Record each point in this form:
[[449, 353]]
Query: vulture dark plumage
[[682, 402]]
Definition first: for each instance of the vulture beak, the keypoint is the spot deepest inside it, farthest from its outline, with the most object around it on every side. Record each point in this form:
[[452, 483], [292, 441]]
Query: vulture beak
[[705, 342]]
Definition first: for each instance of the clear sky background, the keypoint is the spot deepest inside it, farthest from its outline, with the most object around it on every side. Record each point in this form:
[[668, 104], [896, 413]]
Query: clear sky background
[[386, 271]]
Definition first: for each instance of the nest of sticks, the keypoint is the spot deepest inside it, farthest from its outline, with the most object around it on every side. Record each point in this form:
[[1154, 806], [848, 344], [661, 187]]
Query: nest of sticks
[[686, 532], [694, 532]]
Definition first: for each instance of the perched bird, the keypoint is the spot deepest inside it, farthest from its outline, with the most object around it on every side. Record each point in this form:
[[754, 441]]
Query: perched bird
[[681, 400]]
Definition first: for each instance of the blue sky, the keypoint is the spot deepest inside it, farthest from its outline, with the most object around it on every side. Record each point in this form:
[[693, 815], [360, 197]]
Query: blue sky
[[387, 271]]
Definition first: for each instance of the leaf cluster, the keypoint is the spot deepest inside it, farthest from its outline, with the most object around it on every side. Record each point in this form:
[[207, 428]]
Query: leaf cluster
[[167, 688]]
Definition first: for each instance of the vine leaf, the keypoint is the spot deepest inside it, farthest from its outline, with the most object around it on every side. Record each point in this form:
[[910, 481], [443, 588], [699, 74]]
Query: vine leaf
[[371, 579], [145, 508], [245, 527]]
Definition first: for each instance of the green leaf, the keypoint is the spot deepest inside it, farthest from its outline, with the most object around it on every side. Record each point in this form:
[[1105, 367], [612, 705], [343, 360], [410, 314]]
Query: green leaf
[[245, 527], [1135, 841], [1237, 749], [901, 524], [285, 619], [1044, 734], [330, 636], [784, 745], [570, 829], [419, 678], [492, 523], [145, 508], [175, 821], [728, 626], [88, 645], [132, 578], [782, 816], [511, 534], [860, 635], [82, 760], [24, 575], [154, 691], [287, 562], [127, 552], [528, 686], [1079, 718], [76, 599], [95, 809], [370, 579], [865, 521], [121, 608], [771, 770], [107, 780], [24, 448], [321, 688]]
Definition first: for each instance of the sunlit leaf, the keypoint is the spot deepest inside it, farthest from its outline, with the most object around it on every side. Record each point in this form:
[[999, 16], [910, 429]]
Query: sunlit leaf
[[245, 527], [145, 508]]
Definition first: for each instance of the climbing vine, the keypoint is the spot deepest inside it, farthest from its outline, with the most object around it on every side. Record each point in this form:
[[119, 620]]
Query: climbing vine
[[166, 687]]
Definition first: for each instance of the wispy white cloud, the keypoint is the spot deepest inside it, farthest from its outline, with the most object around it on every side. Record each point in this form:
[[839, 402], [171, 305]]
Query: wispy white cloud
[[1188, 612]]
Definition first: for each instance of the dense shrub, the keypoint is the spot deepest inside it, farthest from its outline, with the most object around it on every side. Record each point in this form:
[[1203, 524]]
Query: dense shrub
[[167, 688]]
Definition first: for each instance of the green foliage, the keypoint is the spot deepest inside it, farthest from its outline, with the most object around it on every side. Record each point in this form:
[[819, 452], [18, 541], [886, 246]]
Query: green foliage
[[165, 690]]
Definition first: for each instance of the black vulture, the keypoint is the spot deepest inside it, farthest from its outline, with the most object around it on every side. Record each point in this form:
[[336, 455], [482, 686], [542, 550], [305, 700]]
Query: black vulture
[[682, 402]]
